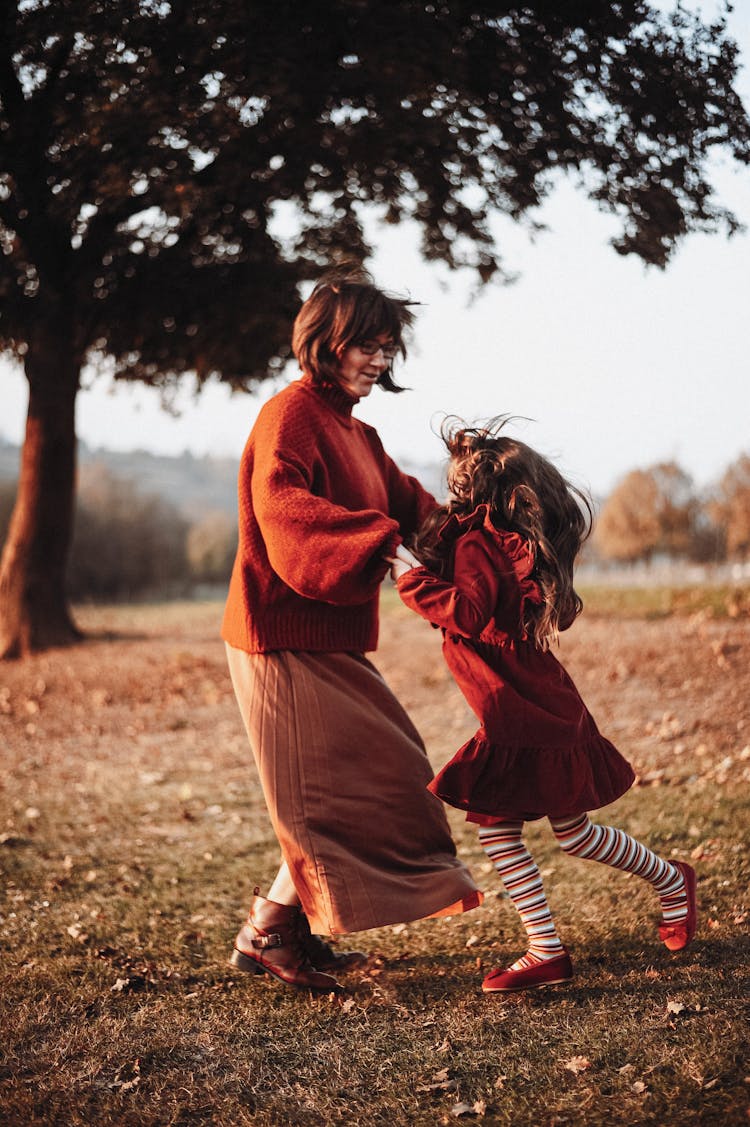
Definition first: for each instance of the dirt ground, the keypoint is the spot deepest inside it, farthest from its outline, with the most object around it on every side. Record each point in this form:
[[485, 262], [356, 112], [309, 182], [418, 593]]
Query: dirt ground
[[133, 828], [150, 690]]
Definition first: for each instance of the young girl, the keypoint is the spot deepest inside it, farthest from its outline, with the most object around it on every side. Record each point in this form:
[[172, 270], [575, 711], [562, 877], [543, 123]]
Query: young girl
[[497, 578]]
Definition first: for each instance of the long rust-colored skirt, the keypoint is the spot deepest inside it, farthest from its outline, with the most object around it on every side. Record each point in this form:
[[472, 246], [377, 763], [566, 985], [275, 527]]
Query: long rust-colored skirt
[[344, 773]]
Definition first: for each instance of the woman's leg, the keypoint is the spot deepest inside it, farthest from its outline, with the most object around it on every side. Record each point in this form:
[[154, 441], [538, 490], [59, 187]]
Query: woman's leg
[[674, 882], [503, 844], [282, 891], [282, 906]]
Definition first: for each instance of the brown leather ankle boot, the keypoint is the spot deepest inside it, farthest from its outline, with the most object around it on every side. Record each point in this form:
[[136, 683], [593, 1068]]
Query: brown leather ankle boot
[[322, 955], [270, 942]]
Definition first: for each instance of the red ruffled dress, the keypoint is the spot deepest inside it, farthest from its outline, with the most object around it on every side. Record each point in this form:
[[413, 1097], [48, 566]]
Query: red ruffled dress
[[538, 751]]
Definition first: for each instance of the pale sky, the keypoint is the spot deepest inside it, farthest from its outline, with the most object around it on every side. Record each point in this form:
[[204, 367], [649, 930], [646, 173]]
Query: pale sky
[[618, 366]]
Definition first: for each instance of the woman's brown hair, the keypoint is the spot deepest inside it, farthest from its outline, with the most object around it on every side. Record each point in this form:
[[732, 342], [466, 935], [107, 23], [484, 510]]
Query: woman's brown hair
[[525, 493], [346, 308]]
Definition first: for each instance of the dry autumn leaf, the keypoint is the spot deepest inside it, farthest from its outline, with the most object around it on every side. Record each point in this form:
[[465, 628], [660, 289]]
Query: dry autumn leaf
[[441, 1082], [127, 1077], [577, 1064]]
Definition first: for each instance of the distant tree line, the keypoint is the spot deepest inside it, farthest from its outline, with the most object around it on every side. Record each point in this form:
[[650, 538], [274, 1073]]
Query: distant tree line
[[128, 543], [657, 512]]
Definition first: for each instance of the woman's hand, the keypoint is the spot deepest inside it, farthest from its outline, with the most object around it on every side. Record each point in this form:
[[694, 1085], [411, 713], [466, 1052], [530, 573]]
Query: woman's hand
[[402, 562]]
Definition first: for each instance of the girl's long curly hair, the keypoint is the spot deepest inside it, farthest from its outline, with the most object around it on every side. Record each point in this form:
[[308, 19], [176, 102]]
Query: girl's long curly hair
[[526, 494]]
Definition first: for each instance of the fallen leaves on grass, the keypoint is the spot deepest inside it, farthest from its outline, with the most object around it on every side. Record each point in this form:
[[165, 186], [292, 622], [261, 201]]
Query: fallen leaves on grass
[[138, 974], [677, 1009], [479, 1107], [128, 985], [127, 1077], [577, 1064], [707, 848], [441, 1082]]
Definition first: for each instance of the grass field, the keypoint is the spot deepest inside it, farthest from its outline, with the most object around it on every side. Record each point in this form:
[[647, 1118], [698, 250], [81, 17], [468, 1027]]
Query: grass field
[[724, 601], [132, 829]]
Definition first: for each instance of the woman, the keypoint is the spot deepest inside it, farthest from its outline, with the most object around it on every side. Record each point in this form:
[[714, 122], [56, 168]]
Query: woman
[[344, 772]]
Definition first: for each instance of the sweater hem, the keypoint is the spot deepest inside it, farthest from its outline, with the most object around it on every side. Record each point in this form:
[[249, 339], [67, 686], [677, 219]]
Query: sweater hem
[[308, 638]]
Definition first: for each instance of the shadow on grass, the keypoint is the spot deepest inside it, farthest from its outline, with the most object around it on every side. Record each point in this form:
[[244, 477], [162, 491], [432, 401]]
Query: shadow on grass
[[96, 637]]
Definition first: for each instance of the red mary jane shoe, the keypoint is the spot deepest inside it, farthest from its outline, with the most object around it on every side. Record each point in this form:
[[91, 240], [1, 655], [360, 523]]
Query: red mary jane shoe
[[675, 936], [550, 972]]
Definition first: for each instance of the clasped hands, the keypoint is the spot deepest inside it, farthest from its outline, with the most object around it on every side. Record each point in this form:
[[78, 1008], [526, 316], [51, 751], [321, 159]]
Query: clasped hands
[[402, 562]]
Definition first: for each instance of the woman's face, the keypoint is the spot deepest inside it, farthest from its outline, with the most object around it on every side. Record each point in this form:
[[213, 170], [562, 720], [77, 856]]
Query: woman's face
[[362, 364]]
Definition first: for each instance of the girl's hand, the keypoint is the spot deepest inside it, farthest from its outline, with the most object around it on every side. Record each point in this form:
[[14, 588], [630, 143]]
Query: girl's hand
[[402, 562]]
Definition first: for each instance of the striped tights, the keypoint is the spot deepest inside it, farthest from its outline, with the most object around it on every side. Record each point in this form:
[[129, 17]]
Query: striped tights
[[580, 837]]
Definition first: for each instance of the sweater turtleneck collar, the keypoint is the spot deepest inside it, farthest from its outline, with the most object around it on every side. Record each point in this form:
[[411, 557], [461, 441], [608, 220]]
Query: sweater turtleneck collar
[[332, 394]]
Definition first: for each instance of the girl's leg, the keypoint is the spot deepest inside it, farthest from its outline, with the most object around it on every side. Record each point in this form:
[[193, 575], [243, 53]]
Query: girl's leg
[[674, 882], [503, 844]]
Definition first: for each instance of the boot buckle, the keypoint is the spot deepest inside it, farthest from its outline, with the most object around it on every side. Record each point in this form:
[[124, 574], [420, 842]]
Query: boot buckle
[[273, 940]]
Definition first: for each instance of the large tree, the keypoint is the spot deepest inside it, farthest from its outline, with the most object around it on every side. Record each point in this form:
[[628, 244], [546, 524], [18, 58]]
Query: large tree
[[146, 146]]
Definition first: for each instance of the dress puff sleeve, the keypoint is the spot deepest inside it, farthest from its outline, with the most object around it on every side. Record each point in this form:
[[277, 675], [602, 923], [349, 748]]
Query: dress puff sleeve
[[492, 580]]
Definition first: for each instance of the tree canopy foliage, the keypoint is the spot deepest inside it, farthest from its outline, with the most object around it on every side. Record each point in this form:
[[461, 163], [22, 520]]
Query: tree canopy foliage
[[149, 151], [146, 148], [650, 511], [730, 507]]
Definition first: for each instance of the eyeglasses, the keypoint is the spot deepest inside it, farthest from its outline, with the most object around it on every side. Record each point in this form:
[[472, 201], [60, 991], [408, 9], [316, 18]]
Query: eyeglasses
[[371, 347]]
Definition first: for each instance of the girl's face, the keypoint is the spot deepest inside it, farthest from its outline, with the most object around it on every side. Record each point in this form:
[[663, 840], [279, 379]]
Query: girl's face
[[362, 364]]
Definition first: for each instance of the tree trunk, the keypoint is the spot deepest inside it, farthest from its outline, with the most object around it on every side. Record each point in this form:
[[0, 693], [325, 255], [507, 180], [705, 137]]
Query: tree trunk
[[34, 614]]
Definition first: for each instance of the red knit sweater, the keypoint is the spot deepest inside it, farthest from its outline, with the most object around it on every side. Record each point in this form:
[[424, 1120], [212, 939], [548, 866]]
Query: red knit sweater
[[320, 507]]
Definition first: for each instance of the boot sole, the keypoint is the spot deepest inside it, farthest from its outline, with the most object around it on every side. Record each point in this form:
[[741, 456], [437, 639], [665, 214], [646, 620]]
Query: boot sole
[[244, 963], [239, 961]]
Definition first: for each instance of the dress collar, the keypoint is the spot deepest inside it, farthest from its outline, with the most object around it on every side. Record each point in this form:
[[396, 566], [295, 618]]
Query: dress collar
[[512, 544]]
